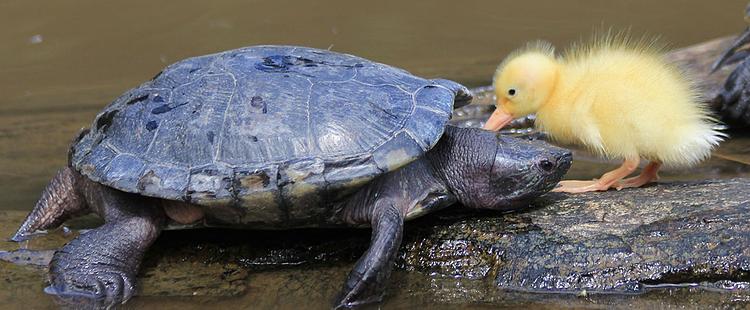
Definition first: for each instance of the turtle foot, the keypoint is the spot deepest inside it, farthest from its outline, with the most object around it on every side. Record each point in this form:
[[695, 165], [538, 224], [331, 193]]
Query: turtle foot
[[366, 282], [91, 286], [92, 278], [361, 289], [98, 269]]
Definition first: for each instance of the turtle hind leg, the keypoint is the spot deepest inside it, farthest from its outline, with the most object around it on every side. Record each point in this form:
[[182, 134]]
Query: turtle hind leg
[[99, 267], [366, 282], [59, 202]]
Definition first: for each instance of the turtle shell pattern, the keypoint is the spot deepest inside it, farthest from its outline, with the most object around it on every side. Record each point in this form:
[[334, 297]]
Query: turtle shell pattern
[[262, 127]]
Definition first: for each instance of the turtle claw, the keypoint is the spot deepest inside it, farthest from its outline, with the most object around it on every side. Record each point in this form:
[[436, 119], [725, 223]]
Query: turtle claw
[[359, 295], [361, 288], [102, 289]]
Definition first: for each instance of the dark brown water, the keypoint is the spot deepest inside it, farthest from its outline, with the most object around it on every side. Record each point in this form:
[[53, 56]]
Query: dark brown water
[[62, 61]]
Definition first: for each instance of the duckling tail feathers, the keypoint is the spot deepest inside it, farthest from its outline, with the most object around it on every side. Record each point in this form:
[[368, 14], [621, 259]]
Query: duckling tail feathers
[[695, 146]]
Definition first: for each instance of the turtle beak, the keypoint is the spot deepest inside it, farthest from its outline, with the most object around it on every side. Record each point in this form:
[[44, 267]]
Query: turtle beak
[[498, 119], [738, 51]]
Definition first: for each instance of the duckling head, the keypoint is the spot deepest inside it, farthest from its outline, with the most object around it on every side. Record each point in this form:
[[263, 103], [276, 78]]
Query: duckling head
[[523, 82]]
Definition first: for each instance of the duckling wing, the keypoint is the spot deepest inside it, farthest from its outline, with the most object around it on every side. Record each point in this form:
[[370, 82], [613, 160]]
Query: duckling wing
[[646, 107]]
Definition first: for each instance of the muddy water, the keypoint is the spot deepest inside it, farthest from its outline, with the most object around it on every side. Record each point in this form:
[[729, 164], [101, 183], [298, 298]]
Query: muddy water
[[61, 62]]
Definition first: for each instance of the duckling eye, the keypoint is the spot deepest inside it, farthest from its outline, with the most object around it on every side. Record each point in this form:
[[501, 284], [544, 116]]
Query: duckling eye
[[511, 92]]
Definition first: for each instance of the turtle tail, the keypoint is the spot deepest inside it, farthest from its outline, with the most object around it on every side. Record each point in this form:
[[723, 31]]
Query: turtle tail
[[60, 201]]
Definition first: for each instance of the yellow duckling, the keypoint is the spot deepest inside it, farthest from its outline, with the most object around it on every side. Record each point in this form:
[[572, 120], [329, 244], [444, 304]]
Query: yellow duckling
[[617, 97]]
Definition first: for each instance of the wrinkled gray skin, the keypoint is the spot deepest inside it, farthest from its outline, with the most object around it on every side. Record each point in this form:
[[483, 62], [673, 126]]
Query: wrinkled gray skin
[[733, 102], [420, 165]]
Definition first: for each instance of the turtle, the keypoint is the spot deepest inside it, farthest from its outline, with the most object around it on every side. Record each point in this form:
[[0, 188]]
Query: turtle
[[276, 137], [733, 101]]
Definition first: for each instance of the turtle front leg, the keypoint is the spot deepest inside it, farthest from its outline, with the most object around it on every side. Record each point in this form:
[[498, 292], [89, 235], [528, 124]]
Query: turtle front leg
[[366, 282], [99, 267]]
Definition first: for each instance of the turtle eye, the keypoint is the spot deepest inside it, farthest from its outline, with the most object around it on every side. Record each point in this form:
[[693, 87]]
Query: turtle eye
[[546, 165], [511, 92]]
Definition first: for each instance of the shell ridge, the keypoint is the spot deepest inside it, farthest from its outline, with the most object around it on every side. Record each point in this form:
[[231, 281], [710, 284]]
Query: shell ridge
[[311, 141], [156, 133], [381, 85], [220, 143], [419, 141]]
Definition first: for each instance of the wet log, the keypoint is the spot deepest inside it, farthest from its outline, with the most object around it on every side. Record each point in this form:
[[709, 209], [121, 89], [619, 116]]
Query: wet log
[[616, 241]]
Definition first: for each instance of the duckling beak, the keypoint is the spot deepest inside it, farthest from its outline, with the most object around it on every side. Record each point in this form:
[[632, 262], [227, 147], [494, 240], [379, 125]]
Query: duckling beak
[[738, 51], [498, 120]]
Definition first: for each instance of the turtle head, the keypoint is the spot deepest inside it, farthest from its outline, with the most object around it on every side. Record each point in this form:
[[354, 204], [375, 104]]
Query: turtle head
[[486, 170], [522, 169]]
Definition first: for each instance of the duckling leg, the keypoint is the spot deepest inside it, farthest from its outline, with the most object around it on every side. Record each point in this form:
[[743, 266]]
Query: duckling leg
[[607, 181], [649, 174]]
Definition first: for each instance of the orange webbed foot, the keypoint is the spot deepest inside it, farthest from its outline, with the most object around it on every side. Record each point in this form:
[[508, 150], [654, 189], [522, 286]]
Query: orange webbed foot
[[607, 181], [649, 174], [575, 187]]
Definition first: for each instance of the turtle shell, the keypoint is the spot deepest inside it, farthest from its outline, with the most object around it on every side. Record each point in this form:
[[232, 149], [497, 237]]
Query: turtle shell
[[267, 123]]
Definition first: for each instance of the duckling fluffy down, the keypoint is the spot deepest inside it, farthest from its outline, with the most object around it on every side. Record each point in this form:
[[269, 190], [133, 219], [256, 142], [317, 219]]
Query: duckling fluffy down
[[623, 100]]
